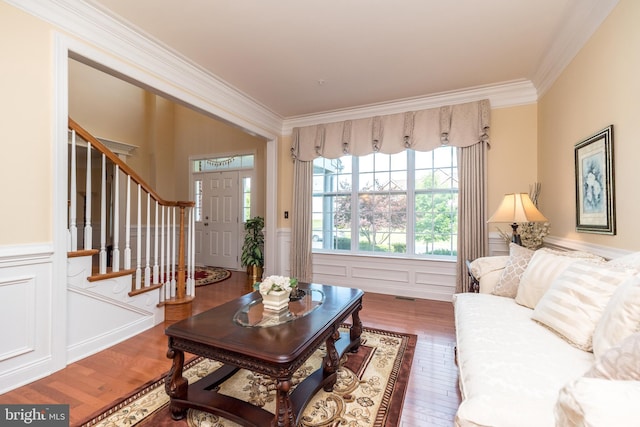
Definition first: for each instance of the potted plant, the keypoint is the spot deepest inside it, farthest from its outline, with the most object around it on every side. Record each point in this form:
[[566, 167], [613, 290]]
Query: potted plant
[[253, 248]]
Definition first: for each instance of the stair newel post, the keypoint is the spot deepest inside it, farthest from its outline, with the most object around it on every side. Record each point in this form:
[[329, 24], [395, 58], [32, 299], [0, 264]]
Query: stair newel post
[[181, 284], [173, 254], [192, 263], [73, 226], [102, 262], [162, 273]]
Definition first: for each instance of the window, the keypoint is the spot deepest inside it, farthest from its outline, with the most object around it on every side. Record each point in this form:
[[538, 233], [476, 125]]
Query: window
[[403, 204], [246, 198], [197, 192], [222, 163]]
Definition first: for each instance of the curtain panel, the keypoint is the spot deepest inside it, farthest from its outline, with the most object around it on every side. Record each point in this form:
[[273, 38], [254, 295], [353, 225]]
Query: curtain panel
[[461, 125]]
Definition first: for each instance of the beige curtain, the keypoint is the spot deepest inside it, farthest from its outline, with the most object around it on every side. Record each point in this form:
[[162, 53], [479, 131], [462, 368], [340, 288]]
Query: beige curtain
[[301, 262], [472, 209], [461, 125]]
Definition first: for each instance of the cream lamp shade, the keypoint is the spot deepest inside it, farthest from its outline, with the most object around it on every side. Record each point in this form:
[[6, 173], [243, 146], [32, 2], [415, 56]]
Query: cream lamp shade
[[516, 208]]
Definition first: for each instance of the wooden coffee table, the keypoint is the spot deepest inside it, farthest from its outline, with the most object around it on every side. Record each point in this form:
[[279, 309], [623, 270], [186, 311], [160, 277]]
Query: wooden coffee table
[[241, 336]]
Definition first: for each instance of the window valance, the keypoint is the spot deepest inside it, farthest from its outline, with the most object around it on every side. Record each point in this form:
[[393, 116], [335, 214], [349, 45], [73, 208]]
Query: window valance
[[459, 125]]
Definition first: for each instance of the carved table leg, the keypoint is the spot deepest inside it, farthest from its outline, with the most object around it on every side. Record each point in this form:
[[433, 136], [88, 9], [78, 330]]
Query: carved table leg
[[356, 329], [331, 362], [175, 384], [284, 407]]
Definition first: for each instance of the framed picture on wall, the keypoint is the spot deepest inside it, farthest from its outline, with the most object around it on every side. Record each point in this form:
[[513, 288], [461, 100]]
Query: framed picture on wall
[[595, 193]]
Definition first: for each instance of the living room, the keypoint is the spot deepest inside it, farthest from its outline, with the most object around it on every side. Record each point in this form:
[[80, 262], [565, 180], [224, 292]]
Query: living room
[[531, 141]]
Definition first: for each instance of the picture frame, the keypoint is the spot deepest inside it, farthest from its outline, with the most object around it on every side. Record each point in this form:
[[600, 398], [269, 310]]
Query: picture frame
[[595, 189]]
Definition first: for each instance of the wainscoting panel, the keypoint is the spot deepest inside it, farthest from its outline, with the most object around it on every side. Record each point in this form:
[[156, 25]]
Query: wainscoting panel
[[26, 281], [20, 315]]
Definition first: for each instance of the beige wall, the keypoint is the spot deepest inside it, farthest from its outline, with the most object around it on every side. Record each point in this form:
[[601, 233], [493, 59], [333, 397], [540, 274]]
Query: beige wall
[[200, 135], [600, 87], [111, 108], [25, 119], [512, 159], [285, 182]]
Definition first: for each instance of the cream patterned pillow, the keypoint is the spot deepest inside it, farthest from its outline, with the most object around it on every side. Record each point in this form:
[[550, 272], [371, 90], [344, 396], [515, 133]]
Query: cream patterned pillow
[[621, 317], [576, 300], [596, 402], [509, 280], [631, 261], [621, 362], [545, 265]]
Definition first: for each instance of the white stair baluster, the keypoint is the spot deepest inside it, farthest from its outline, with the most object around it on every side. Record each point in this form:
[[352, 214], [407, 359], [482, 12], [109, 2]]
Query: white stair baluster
[[102, 263], [162, 272], [147, 254], [127, 227], [139, 243], [73, 221], [88, 232], [167, 277], [115, 255], [155, 246]]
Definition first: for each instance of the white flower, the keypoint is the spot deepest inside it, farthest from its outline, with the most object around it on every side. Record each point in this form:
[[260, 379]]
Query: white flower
[[277, 284]]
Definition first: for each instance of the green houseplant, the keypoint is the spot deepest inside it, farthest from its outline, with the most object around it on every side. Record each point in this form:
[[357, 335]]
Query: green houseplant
[[253, 248]]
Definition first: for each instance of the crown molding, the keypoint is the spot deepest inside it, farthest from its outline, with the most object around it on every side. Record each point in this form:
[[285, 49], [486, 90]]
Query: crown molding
[[506, 94], [92, 25], [581, 24]]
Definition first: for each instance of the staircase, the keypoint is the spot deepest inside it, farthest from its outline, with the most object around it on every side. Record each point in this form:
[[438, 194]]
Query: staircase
[[131, 266]]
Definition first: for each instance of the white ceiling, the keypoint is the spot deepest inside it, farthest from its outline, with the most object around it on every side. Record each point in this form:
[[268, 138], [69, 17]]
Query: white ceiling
[[302, 57]]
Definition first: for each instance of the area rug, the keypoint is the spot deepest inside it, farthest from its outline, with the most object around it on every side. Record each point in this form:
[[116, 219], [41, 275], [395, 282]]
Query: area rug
[[208, 275], [369, 391]]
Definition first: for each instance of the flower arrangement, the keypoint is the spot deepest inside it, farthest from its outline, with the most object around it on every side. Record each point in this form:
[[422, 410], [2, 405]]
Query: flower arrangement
[[277, 284]]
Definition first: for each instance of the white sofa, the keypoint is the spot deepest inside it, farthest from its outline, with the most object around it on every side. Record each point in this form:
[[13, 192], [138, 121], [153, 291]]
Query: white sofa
[[559, 344]]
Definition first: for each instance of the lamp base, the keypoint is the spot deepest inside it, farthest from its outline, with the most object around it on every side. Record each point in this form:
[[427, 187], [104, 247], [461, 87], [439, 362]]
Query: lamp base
[[515, 237]]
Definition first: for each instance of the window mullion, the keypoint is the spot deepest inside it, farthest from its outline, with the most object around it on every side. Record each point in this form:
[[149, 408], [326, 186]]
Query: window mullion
[[355, 206], [411, 201]]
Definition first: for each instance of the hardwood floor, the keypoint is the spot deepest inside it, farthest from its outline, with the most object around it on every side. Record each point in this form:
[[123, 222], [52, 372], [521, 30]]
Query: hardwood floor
[[94, 382]]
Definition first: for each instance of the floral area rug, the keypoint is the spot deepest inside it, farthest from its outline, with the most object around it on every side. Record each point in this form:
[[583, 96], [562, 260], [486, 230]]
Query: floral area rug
[[208, 275], [369, 391]]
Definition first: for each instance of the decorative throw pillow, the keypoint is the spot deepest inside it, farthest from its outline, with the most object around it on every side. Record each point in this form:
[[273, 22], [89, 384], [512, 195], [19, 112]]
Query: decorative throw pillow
[[509, 280], [576, 300], [621, 317], [545, 265], [484, 265], [631, 261], [596, 402], [621, 362]]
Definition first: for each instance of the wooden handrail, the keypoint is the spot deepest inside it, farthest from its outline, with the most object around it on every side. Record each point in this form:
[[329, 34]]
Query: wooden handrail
[[123, 166], [181, 298]]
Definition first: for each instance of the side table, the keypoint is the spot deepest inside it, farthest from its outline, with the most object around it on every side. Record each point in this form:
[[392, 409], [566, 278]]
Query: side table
[[474, 284]]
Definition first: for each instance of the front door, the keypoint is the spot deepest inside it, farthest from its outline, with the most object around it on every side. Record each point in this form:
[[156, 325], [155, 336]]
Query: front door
[[217, 232]]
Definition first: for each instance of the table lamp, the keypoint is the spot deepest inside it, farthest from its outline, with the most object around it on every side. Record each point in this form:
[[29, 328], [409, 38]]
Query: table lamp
[[516, 208]]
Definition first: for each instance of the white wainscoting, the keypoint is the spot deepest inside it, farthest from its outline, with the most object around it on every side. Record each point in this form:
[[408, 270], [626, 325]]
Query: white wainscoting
[[101, 314], [433, 278], [26, 317]]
